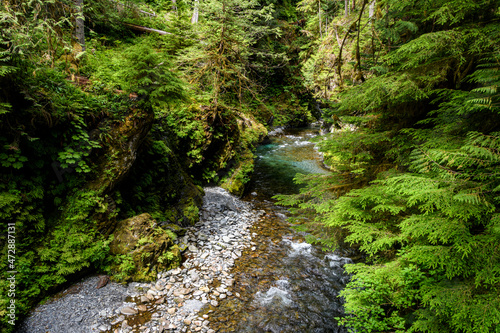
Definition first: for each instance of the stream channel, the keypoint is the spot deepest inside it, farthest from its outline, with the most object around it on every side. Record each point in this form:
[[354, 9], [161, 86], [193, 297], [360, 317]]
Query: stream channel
[[245, 268], [287, 285]]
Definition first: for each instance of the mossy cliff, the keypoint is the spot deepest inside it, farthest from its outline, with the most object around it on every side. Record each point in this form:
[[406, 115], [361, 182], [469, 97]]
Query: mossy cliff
[[218, 149], [68, 200]]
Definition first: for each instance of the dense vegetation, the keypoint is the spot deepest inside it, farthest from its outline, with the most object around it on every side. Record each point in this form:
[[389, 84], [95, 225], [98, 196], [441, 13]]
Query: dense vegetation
[[413, 105], [102, 120]]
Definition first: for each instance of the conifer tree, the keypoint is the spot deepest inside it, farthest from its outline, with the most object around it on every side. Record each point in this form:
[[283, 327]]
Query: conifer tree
[[220, 62], [415, 152]]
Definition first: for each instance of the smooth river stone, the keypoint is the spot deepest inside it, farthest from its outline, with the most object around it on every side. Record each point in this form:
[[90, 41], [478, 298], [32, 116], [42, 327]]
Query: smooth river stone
[[128, 311], [181, 291]]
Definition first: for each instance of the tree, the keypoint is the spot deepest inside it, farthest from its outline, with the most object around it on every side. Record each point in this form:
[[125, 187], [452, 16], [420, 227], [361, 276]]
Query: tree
[[229, 31], [415, 185], [79, 24]]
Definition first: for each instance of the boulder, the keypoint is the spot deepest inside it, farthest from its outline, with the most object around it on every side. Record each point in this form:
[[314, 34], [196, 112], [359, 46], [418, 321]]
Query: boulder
[[142, 249]]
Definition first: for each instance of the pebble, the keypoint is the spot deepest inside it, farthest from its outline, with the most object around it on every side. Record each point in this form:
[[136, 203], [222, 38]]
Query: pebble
[[213, 244], [128, 311]]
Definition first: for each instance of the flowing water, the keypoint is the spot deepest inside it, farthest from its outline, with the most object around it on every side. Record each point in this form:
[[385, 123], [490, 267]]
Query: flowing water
[[283, 284]]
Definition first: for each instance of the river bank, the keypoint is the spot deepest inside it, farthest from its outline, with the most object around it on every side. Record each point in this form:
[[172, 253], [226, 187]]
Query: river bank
[[173, 301]]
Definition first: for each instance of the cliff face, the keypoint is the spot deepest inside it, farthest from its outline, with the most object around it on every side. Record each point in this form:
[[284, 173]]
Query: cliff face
[[75, 167]]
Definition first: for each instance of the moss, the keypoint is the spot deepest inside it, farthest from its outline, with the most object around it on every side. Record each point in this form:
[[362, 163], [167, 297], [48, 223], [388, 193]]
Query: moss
[[191, 212], [250, 134], [142, 249], [235, 183], [174, 228]]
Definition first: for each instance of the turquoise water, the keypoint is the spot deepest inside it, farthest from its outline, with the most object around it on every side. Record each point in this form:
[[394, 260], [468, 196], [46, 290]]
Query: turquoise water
[[284, 284], [278, 162]]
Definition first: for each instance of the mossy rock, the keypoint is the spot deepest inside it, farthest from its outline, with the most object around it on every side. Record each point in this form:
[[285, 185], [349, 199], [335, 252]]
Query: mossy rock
[[235, 183], [176, 229], [251, 133], [142, 249]]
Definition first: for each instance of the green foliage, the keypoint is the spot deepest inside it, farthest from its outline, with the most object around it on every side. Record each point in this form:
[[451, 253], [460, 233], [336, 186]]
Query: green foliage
[[381, 296], [229, 31], [415, 152], [142, 68], [126, 266], [166, 257]]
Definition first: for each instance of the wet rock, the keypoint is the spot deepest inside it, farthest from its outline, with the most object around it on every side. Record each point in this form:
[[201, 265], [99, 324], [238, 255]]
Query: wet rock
[[181, 291], [160, 285], [103, 280]]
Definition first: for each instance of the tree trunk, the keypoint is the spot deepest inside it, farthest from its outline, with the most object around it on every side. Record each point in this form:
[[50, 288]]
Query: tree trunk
[[319, 17], [79, 23], [358, 54], [346, 7], [371, 11], [194, 19], [146, 29]]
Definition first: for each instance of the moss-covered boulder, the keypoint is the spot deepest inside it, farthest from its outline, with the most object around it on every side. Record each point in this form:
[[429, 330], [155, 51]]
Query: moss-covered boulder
[[235, 182], [142, 249]]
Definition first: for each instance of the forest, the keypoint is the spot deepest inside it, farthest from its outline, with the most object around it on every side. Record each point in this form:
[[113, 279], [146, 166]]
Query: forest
[[110, 109]]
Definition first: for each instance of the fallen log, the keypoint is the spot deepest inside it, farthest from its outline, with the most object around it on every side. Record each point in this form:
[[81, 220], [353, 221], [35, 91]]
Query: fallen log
[[146, 29]]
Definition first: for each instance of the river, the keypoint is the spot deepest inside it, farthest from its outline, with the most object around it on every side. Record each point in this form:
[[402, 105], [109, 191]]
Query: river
[[245, 269], [286, 285]]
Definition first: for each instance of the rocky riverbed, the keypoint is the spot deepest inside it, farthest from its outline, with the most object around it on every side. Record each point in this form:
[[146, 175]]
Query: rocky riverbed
[[173, 301]]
